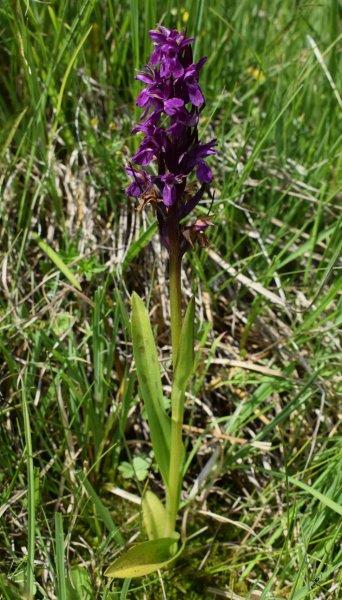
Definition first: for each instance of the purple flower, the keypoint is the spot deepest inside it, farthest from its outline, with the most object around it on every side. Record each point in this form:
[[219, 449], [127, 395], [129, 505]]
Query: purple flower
[[171, 101], [140, 184], [190, 79], [167, 51], [173, 106], [170, 182], [152, 145], [194, 159]]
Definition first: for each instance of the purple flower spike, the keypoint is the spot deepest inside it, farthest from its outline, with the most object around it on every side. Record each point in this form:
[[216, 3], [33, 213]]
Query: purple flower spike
[[171, 101]]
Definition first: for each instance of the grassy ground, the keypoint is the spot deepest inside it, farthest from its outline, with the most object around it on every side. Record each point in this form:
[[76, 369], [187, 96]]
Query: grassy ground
[[263, 489]]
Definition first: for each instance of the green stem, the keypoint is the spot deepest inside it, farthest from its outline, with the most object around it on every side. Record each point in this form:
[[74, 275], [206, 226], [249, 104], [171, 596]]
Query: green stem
[[176, 446], [175, 472], [175, 302]]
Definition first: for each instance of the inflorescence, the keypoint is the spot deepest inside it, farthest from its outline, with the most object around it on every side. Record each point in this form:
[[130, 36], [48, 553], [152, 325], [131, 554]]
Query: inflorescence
[[170, 151]]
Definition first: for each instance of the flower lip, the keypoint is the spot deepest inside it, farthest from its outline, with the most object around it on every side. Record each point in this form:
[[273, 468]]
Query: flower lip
[[173, 105], [170, 191]]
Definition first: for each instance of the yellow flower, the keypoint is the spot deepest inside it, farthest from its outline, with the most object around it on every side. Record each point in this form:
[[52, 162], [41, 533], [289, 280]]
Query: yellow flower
[[257, 74]]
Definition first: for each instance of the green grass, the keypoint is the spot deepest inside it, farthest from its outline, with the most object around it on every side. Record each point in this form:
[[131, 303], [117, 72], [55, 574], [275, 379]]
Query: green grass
[[70, 414]]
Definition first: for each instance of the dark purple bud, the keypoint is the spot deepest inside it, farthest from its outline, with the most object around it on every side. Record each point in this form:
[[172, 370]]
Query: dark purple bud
[[169, 193]]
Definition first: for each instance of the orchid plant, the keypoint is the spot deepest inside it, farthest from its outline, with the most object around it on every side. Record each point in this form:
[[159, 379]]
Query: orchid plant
[[162, 171]]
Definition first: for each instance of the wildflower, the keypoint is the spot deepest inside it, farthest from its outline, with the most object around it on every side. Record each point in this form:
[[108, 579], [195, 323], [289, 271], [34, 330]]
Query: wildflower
[[141, 182], [171, 101]]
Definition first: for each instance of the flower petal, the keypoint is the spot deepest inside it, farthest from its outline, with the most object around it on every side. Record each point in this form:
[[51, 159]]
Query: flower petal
[[204, 174], [173, 105], [144, 156], [169, 194], [195, 94], [144, 77], [143, 98], [133, 189]]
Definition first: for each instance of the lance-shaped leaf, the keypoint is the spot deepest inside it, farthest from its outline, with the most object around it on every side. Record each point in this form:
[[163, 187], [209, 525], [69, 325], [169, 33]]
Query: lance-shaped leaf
[[184, 363], [154, 516], [182, 373], [146, 361], [144, 558]]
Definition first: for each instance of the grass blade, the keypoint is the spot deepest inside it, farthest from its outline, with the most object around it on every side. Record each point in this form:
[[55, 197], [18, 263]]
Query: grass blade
[[318, 495], [56, 259], [136, 247], [102, 510], [66, 75], [31, 508], [11, 134], [60, 568]]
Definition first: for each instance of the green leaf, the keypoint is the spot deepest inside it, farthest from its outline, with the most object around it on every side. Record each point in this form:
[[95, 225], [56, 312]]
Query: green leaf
[[154, 516], [60, 560], [329, 502], [61, 322], [185, 358], [143, 558], [11, 134], [184, 363], [101, 509], [79, 584], [56, 259], [138, 468], [183, 370], [138, 244], [146, 361]]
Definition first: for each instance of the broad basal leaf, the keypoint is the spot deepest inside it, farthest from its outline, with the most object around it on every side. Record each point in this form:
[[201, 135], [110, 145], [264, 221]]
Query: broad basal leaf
[[143, 558], [154, 516]]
